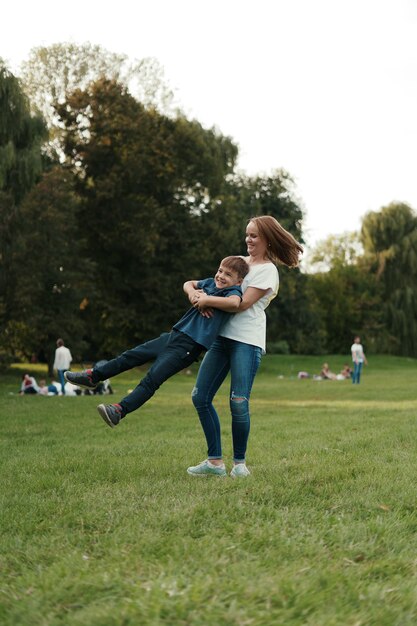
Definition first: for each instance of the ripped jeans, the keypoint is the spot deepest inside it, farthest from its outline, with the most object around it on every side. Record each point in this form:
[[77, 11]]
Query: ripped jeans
[[242, 360]]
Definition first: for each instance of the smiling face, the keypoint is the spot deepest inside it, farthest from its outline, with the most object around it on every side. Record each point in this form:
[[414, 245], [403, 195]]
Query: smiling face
[[226, 277], [256, 246]]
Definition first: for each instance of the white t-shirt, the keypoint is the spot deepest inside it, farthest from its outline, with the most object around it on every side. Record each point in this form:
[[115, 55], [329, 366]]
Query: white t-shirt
[[250, 326], [63, 358], [357, 353]]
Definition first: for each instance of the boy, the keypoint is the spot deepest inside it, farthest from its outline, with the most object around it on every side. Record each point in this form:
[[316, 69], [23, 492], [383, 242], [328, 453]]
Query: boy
[[175, 351]]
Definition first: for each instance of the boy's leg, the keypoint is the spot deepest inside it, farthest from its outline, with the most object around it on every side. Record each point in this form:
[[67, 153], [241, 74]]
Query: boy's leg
[[180, 352], [139, 355]]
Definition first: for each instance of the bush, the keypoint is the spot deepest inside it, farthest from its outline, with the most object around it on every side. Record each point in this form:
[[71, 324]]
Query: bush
[[278, 347]]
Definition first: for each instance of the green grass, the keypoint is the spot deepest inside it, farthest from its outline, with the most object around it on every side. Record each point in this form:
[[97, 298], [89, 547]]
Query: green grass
[[104, 527]]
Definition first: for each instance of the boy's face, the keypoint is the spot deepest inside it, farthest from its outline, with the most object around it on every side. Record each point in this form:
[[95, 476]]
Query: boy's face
[[225, 277]]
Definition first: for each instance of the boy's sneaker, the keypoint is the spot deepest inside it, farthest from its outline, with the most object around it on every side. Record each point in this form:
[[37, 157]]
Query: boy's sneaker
[[111, 413], [81, 379], [239, 470], [207, 469]]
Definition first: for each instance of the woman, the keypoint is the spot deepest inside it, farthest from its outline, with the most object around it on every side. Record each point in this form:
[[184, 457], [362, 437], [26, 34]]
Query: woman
[[241, 344]]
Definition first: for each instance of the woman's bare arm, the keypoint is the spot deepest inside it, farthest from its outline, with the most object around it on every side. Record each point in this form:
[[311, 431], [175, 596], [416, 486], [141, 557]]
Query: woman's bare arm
[[251, 295]]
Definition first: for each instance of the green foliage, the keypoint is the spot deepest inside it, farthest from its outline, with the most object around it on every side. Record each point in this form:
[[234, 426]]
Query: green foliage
[[21, 135], [336, 251], [143, 178], [278, 347], [390, 242], [49, 292], [53, 72]]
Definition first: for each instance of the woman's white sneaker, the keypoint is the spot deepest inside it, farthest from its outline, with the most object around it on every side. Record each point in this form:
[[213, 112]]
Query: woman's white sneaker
[[205, 468], [239, 470]]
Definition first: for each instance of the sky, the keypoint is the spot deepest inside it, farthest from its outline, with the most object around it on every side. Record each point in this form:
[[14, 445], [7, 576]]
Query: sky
[[325, 89]]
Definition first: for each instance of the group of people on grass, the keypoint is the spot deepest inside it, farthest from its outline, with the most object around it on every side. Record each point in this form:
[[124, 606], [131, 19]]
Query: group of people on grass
[[347, 372], [226, 321]]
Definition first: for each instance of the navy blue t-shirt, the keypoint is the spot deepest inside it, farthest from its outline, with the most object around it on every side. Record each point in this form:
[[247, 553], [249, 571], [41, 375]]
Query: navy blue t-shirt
[[204, 330]]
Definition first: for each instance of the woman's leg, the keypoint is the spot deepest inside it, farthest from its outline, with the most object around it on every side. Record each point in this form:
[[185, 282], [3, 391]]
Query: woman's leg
[[244, 363], [129, 359], [213, 370]]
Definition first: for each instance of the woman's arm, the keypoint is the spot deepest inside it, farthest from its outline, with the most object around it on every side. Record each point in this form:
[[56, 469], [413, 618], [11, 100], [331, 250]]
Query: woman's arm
[[251, 295], [229, 303]]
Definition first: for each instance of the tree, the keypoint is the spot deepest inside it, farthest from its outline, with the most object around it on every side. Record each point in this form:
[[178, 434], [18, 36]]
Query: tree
[[21, 136], [52, 73], [53, 286], [144, 179], [336, 251], [390, 242]]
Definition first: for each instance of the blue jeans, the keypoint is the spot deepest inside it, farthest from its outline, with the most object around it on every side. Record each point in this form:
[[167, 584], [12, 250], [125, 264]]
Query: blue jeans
[[242, 360], [357, 369], [62, 380], [174, 352], [135, 357]]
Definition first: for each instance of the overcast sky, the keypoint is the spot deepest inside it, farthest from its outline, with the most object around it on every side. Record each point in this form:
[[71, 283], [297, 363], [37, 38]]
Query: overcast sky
[[325, 89]]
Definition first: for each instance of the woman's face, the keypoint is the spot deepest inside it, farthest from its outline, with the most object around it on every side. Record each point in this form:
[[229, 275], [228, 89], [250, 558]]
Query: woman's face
[[255, 244]]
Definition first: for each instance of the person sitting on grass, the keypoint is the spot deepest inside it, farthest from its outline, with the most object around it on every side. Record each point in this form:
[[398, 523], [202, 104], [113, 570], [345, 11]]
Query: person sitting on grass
[[29, 385], [173, 351], [326, 374]]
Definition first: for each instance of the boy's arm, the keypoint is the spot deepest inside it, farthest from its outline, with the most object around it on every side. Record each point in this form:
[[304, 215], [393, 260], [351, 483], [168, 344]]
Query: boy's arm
[[190, 288]]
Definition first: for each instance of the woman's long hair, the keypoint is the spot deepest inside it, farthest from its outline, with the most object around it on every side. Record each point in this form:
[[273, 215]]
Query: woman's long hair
[[282, 247]]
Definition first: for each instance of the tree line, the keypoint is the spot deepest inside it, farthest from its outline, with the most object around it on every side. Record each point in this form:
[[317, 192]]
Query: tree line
[[110, 199]]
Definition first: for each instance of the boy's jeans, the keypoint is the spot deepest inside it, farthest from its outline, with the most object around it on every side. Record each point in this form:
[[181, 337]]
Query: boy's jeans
[[176, 352], [131, 358], [242, 360]]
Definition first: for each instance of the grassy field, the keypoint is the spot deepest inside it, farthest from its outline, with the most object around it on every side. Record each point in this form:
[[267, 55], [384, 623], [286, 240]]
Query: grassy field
[[104, 527]]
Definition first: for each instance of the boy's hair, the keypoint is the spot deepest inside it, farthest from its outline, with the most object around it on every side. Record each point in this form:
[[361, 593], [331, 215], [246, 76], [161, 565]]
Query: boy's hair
[[236, 264]]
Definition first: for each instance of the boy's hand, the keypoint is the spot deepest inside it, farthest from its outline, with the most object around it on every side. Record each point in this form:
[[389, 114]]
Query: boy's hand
[[194, 296], [201, 302]]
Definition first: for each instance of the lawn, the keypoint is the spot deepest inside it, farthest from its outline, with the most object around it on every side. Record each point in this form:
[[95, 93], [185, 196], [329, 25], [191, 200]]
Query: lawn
[[103, 526]]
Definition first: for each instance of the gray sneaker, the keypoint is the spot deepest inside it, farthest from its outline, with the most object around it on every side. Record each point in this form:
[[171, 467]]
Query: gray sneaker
[[240, 471], [81, 379], [111, 413], [205, 468]]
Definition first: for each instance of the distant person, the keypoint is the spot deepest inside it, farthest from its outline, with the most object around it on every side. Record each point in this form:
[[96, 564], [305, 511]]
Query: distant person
[[346, 371], [358, 358], [43, 387], [29, 385], [62, 362], [326, 374]]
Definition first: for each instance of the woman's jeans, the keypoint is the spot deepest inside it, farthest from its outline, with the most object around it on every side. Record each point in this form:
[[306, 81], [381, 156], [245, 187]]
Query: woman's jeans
[[357, 369], [242, 360], [173, 352]]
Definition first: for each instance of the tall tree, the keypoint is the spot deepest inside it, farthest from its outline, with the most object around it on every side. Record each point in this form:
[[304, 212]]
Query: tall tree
[[52, 72], [390, 241], [143, 177], [54, 286], [21, 136]]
